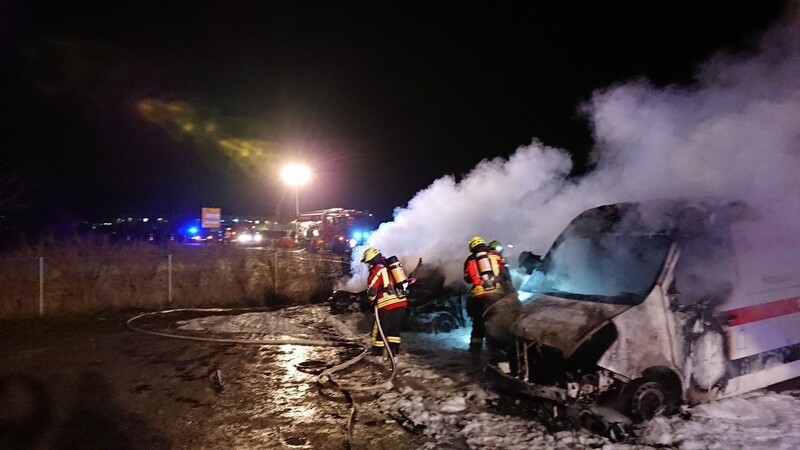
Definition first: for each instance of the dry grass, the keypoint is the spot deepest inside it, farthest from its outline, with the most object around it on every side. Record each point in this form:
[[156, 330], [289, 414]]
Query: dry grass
[[82, 276]]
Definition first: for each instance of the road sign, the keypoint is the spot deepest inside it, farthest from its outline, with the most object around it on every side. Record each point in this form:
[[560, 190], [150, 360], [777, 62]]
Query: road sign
[[210, 217]]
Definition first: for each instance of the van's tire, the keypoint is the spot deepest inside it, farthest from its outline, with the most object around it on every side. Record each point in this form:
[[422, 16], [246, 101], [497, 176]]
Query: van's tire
[[646, 398], [445, 323]]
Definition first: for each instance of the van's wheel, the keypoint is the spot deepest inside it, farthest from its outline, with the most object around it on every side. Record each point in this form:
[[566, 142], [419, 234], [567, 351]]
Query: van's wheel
[[444, 324], [647, 398]]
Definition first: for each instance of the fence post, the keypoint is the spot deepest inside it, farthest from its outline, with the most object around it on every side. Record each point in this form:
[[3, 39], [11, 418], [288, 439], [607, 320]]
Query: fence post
[[275, 279], [41, 286], [169, 278]]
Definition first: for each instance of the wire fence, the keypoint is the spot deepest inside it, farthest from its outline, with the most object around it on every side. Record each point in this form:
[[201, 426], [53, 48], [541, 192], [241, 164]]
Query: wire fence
[[90, 281]]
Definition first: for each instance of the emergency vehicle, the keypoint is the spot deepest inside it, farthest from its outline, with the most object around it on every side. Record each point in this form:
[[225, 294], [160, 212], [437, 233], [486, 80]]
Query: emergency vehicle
[[335, 229]]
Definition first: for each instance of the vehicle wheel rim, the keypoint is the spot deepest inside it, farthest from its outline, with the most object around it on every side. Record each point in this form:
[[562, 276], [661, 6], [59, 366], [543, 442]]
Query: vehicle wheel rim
[[444, 326], [648, 401]]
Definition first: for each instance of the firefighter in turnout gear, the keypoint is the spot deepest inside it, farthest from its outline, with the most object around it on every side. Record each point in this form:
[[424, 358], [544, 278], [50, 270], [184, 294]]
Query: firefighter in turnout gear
[[482, 269], [381, 291]]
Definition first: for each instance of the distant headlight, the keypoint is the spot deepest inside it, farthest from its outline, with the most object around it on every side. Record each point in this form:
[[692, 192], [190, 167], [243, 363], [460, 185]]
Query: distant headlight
[[258, 238], [244, 238], [353, 243]]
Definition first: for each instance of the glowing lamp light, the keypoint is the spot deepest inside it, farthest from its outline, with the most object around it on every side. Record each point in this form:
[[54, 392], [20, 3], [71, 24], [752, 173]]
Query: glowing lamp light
[[296, 174], [357, 235], [193, 230]]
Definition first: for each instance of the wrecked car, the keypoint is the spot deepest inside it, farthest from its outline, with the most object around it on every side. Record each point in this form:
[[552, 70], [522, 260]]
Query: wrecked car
[[432, 307], [638, 308]]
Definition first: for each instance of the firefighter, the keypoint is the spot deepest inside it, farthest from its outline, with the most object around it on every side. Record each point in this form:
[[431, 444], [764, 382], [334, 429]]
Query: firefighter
[[391, 305], [496, 248], [482, 269]]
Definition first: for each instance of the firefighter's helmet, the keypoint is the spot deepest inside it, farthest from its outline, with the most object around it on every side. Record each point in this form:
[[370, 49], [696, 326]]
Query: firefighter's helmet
[[476, 241], [496, 246], [370, 254]]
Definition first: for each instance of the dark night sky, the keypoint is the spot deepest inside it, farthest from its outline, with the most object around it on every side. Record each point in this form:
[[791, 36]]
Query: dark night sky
[[137, 107]]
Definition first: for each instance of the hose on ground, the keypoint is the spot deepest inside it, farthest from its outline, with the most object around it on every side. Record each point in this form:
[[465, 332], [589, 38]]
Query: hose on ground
[[327, 375], [306, 342], [324, 378]]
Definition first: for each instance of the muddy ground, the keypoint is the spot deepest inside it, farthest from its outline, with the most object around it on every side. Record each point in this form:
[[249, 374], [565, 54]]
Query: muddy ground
[[90, 382]]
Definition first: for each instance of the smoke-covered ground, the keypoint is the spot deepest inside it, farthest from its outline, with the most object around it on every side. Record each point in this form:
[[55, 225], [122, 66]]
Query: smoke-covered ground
[[733, 134]]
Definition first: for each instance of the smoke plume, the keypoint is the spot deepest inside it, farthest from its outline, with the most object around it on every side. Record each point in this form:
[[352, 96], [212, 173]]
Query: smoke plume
[[735, 134]]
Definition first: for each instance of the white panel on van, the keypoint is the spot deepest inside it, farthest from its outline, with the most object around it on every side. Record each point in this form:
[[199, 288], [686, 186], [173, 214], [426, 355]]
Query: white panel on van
[[768, 263], [764, 335]]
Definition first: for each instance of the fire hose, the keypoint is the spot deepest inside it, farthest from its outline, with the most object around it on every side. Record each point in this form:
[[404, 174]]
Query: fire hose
[[324, 379]]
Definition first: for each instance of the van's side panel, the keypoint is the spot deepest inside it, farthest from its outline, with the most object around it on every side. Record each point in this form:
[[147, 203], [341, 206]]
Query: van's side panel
[[759, 336], [762, 378], [764, 309]]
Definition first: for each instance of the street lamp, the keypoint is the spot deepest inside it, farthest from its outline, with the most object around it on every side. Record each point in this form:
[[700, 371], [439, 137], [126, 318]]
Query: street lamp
[[296, 175]]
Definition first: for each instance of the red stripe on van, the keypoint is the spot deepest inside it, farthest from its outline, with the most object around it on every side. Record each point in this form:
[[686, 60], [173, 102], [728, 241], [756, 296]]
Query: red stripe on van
[[754, 313]]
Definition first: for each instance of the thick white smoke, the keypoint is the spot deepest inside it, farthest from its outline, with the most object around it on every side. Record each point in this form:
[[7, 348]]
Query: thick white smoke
[[735, 133]]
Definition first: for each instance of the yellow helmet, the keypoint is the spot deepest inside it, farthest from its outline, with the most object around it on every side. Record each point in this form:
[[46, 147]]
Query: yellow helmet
[[475, 241], [370, 254]]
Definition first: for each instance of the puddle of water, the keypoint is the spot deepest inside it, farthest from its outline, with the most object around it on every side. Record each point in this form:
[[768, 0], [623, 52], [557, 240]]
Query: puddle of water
[[295, 441], [297, 383]]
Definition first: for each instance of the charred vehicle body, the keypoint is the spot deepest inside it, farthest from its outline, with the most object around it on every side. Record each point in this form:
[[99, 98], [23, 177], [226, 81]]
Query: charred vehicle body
[[637, 308], [432, 307]]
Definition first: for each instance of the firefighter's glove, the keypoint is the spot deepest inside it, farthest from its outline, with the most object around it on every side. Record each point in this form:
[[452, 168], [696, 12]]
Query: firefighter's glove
[[477, 290], [372, 294]]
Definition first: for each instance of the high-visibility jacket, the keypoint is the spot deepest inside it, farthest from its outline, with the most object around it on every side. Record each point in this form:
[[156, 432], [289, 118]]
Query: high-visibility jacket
[[482, 288], [381, 291]]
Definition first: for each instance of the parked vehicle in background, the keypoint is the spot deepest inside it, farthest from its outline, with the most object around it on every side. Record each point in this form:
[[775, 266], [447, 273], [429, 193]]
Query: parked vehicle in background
[[240, 231], [335, 229], [638, 308]]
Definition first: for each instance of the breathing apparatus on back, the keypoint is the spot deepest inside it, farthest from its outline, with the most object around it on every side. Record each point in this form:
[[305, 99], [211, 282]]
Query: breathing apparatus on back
[[477, 246], [398, 276], [398, 280]]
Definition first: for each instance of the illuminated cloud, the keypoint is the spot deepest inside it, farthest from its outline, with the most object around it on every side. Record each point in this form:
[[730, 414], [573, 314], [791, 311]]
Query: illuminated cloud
[[181, 121]]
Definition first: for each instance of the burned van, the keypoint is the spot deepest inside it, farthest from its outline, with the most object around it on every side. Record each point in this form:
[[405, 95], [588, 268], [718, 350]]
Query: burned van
[[637, 308]]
